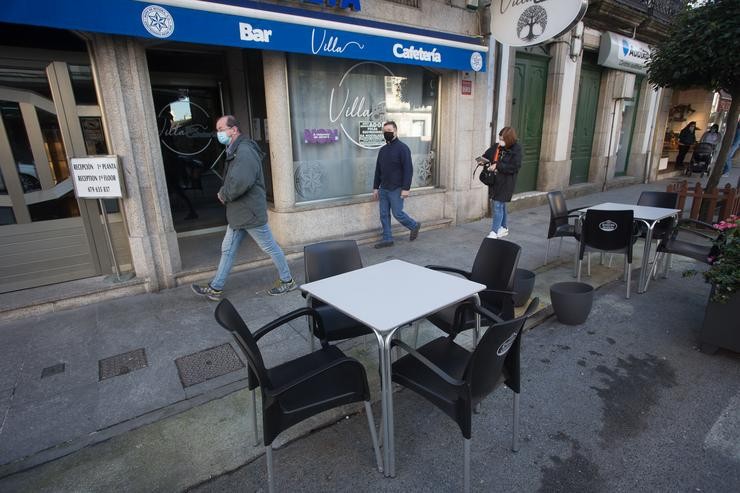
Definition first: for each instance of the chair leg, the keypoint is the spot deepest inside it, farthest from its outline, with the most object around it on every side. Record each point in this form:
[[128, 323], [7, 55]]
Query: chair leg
[[547, 251], [270, 472], [466, 465], [416, 334], [515, 425], [560, 247], [254, 418], [588, 264], [578, 269], [373, 435], [667, 265], [576, 260], [628, 266]]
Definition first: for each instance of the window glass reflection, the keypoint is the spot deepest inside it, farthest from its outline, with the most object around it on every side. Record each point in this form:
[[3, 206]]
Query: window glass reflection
[[337, 122], [15, 130], [83, 85]]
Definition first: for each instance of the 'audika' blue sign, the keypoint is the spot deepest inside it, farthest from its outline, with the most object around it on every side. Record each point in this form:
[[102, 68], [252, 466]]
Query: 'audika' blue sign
[[230, 23]]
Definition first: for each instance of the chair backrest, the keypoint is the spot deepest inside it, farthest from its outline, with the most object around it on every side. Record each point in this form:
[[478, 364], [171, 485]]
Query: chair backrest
[[229, 319], [667, 200], [558, 211], [495, 264], [498, 347], [330, 258], [608, 230]]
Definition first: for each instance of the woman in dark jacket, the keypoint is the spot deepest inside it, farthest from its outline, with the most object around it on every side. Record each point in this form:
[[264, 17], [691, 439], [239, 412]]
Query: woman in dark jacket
[[506, 159]]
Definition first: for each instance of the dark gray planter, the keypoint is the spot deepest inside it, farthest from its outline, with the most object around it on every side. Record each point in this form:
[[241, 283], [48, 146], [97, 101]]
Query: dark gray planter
[[523, 286], [571, 301], [721, 327]]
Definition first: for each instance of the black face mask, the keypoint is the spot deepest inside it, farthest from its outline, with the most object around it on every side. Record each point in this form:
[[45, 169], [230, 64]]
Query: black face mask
[[388, 136]]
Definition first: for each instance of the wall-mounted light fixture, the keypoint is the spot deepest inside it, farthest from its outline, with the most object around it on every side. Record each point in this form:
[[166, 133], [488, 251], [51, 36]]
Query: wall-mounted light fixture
[[576, 41]]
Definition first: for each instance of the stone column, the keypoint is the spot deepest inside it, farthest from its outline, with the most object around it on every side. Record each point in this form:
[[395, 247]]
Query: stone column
[[615, 85], [278, 118], [559, 118], [126, 99]]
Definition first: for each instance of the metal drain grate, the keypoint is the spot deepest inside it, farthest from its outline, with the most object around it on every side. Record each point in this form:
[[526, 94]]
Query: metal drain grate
[[52, 370], [122, 364], [207, 364]]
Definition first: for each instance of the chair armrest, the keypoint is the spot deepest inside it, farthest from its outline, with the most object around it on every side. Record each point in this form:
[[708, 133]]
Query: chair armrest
[[320, 371], [449, 269], [301, 312], [579, 208], [423, 360], [682, 227], [697, 222]]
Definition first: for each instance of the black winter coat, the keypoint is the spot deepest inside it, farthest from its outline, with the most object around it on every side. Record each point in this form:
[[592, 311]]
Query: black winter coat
[[509, 163]]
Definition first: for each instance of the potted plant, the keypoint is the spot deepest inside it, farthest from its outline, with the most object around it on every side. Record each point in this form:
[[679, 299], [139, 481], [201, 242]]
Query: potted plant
[[721, 327]]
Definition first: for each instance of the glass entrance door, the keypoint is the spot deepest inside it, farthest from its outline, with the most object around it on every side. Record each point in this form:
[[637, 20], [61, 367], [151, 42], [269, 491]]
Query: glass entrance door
[[193, 158], [46, 234]]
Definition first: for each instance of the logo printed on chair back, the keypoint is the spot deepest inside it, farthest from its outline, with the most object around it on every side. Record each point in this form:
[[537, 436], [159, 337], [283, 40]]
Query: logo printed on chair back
[[608, 226], [506, 345]]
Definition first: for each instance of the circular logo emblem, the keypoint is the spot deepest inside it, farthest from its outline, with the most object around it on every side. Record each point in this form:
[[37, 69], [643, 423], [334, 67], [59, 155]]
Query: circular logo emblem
[[158, 21], [476, 61], [532, 23], [184, 128], [608, 226]]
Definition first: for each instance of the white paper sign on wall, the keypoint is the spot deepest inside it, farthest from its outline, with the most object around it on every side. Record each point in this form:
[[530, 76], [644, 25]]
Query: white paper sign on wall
[[531, 22], [96, 177]]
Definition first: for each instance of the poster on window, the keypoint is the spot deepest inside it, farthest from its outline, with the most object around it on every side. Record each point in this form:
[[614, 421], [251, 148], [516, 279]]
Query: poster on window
[[371, 133]]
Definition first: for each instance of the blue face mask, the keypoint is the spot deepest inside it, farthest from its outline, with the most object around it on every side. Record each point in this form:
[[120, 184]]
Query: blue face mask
[[223, 138]]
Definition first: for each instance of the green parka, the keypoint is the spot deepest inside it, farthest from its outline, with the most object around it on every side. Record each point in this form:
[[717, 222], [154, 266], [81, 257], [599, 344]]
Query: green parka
[[243, 190]]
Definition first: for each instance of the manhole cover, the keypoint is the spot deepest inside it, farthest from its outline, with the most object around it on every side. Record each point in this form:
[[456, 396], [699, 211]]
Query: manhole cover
[[207, 364], [52, 370], [121, 364]]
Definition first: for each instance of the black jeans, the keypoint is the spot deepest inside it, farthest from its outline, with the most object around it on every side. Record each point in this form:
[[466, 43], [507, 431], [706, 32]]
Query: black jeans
[[682, 150]]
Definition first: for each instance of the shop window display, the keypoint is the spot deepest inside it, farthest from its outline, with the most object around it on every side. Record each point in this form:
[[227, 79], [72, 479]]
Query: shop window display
[[337, 109]]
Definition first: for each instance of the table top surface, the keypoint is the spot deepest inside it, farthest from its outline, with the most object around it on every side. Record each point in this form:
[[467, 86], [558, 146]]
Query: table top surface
[[641, 211], [391, 294]]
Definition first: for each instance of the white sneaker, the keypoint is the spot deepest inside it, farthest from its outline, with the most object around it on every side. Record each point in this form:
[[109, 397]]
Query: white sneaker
[[502, 232], [492, 235]]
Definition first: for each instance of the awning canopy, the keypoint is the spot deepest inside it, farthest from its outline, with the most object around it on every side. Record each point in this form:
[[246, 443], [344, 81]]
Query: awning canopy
[[248, 24]]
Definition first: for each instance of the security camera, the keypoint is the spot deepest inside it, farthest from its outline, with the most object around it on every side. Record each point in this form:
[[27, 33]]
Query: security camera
[[471, 4]]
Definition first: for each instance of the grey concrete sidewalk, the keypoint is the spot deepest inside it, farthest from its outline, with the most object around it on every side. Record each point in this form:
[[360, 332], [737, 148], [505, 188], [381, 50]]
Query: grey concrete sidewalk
[[59, 393]]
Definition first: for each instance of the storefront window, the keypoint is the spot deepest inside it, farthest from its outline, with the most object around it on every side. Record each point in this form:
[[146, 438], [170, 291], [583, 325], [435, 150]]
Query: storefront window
[[337, 109]]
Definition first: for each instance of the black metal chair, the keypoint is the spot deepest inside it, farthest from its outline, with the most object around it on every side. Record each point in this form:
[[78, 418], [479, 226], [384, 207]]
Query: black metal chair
[[560, 225], [301, 388], [326, 259], [456, 380], [666, 200], [609, 231], [675, 243], [495, 266]]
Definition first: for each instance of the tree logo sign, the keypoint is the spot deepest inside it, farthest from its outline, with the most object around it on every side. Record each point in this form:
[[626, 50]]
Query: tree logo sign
[[531, 22]]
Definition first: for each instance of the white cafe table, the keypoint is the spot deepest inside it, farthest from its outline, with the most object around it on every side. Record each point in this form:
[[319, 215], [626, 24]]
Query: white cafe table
[[387, 296], [649, 216]]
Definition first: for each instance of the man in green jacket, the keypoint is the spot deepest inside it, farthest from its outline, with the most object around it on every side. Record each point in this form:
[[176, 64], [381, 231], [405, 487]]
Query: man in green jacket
[[243, 194]]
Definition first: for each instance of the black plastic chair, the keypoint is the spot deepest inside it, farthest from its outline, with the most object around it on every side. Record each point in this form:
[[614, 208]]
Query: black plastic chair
[[495, 266], [609, 231], [455, 379], [301, 388], [560, 225], [326, 259], [666, 200], [676, 244]]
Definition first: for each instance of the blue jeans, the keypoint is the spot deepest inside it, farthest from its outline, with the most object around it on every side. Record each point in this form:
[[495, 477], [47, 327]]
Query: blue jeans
[[499, 215], [728, 163], [391, 201], [263, 237]]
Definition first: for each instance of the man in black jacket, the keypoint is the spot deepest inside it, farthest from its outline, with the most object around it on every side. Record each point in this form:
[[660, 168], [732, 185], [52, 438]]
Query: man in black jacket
[[393, 172]]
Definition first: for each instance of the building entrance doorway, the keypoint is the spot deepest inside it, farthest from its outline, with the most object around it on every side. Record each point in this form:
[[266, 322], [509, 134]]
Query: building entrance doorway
[[49, 112]]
